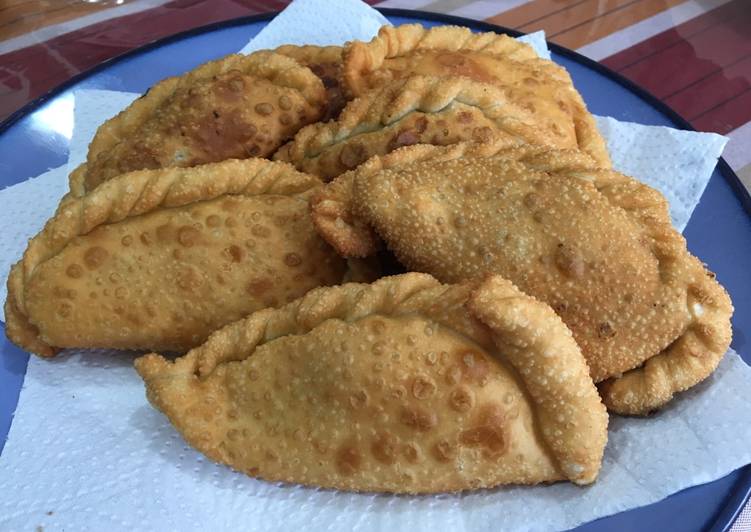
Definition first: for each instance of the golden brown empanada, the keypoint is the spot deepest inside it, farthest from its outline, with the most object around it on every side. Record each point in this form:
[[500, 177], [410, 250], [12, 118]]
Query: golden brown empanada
[[389, 54], [353, 236], [540, 85], [158, 259], [235, 107], [326, 63], [405, 385], [415, 110], [596, 245]]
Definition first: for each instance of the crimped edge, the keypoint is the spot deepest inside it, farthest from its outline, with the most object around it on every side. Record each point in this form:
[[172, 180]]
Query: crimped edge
[[77, 181], [696, 352], [496, 303], [387, 105], [361, 57], [394, 41], [690, 359], [134, 194], [331, 212], [575, 431]]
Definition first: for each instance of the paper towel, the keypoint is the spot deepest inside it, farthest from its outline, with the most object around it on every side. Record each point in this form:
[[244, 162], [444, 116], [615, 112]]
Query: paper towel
[[85, 447], [677, 163], [319, 22]]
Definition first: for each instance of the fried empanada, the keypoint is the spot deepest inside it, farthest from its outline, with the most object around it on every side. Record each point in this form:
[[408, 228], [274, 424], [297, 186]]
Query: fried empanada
[[235, 107], [539, 85], [158, 259], [405, 386], [352, 236], [415, 110], [326, 63], [396, 48], [596, 245]]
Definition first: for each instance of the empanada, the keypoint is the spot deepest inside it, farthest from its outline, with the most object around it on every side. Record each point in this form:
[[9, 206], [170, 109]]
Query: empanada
[[396, 48], [235, 107], [596, 245], [405, 385], [540, 85], [158, 259], [415, 110], [326, 63], [352, 236]]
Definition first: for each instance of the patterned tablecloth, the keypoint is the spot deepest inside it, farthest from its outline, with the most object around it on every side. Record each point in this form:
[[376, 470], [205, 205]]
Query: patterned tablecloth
[[695, 55]]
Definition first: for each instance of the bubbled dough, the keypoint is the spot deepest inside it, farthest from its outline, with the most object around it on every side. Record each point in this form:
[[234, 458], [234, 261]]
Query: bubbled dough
[[167, 279], [414, 110], [326, 63], [379, 404], [235, 107], [403, 385], [557, 238], [183, 202], [453, 124], [540, 86], [235, 115]]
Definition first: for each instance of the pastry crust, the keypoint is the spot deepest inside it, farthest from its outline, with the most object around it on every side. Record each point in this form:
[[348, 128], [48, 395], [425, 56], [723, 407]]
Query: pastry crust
[[365, 61], [352, 236], [235, 107], [695, 354], [484, 412], [76, 183], [161, 258], [540, 85], [629, 295], [326, 63], [334, 219], [310, 55], [415, 110]]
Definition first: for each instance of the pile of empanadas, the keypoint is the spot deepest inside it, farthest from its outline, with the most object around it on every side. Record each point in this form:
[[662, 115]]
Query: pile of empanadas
[[248, 211]]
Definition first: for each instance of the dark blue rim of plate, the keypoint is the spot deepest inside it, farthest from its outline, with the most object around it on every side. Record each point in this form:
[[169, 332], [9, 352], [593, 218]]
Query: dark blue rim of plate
[[734, 505]]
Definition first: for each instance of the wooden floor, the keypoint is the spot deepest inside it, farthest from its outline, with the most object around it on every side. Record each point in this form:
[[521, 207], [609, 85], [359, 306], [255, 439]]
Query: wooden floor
[[701, 68], [571, 23], [18, 17], [578, 22]]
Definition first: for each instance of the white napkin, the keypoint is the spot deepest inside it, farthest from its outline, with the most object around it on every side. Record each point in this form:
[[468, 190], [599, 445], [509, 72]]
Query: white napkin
[[319, 22], [677, 163], [85, 447]]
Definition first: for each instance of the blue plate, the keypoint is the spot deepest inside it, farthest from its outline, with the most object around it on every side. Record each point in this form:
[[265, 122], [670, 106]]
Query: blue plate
[[37, 137]]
